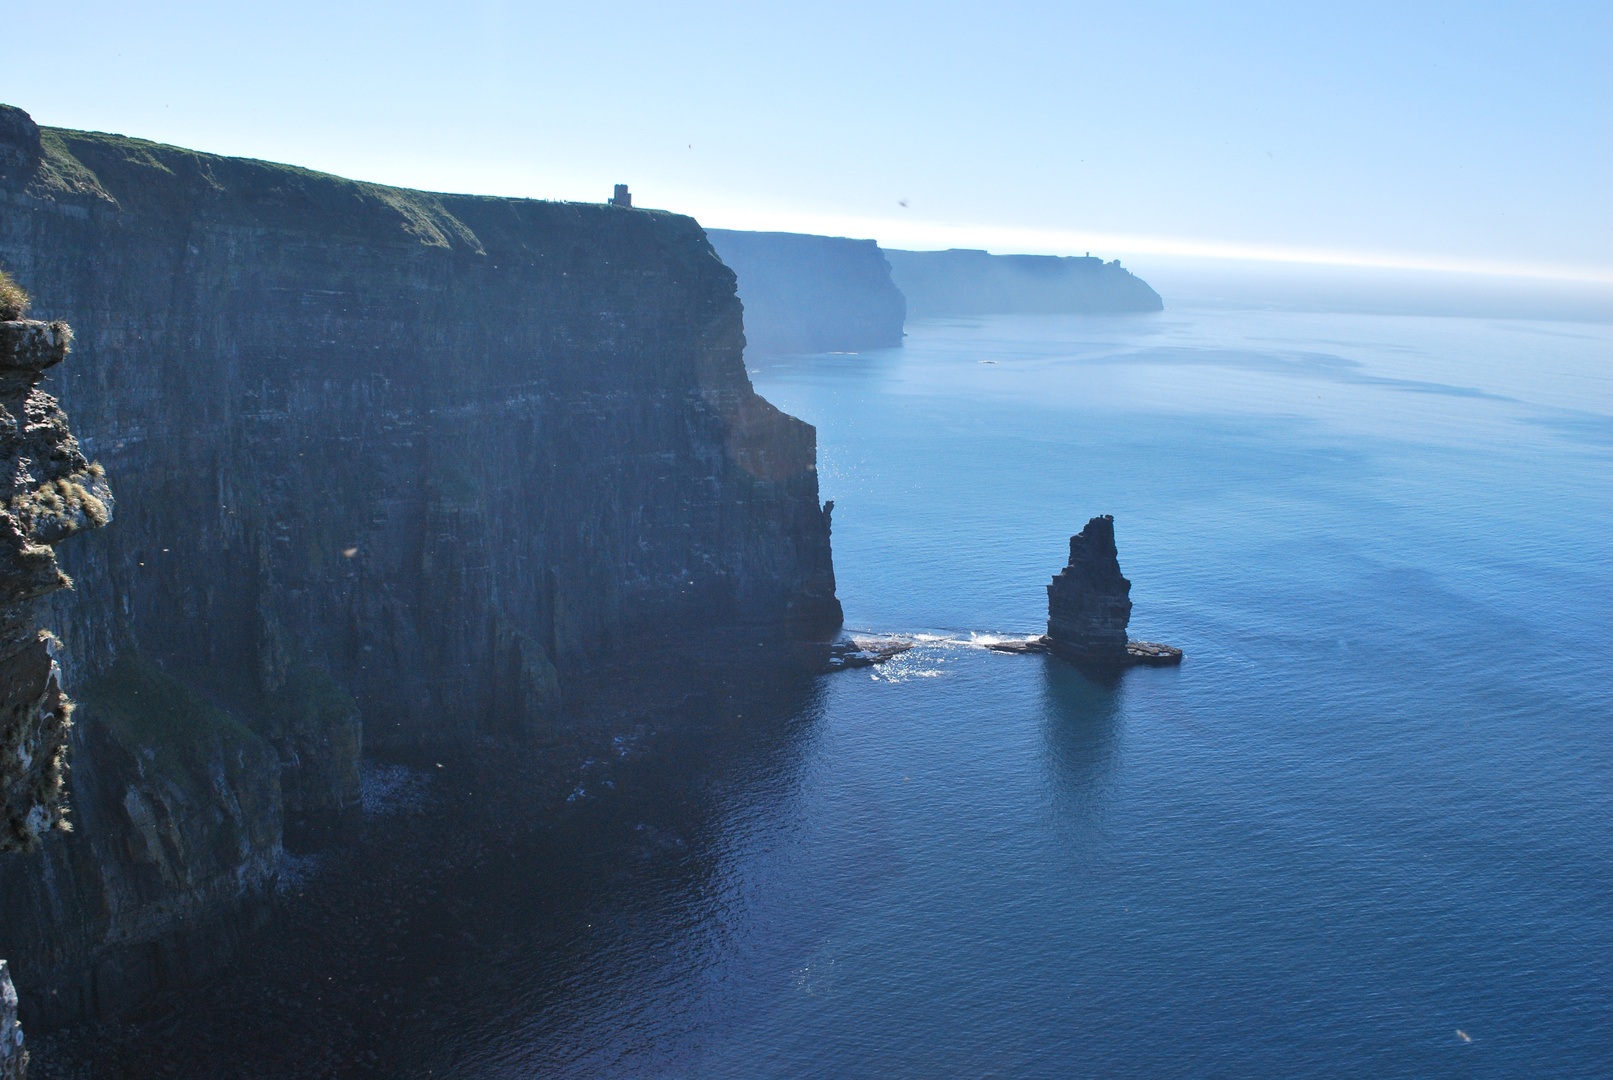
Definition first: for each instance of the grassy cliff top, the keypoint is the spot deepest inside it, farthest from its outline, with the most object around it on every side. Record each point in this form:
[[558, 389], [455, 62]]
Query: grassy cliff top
[[137, 176]]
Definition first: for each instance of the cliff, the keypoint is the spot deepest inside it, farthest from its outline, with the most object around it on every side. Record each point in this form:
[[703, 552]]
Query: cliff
[[48, 492], [807, 294], [967, 282], [413, 457], [13, 1058]]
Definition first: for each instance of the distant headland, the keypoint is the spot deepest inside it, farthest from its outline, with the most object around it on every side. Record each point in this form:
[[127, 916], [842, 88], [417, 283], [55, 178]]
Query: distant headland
[[962, 281], [804, 293]]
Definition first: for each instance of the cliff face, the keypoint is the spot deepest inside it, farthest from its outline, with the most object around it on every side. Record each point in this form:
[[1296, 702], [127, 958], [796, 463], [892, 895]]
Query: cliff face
[[967, 282], [13, 1058], [48, 492], [806, 294], [413, 457]]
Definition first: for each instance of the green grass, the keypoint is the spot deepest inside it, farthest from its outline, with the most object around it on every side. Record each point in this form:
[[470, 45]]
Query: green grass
[[309, 697], [147, 709], [13, 299]]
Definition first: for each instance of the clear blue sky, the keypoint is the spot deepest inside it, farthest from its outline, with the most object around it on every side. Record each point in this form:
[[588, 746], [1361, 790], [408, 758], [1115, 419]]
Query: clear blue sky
[[1456, 135]]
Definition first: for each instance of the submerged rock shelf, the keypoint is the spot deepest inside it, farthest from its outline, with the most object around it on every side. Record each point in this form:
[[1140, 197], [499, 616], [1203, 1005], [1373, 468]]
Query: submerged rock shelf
[[850, 653]]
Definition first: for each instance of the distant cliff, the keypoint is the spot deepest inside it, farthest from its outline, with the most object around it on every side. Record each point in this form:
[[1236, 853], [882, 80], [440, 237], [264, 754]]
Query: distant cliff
[[417, 458], [966, 282], [806, 294]]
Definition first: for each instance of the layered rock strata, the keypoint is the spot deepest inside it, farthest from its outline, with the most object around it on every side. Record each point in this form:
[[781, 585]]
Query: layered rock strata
[[812, 294], [48, 492], [1089, 608], [413, 457], [1089, 601]]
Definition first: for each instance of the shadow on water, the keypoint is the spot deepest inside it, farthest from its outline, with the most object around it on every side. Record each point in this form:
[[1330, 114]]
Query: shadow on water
[[568, 942], [1081, 730]]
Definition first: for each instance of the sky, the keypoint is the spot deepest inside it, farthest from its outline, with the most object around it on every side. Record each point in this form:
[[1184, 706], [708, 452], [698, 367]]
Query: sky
[[1470, 138]]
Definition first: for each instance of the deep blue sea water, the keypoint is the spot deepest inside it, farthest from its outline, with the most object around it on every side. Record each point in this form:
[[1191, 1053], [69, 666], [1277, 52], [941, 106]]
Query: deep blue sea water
[[1365, 830]]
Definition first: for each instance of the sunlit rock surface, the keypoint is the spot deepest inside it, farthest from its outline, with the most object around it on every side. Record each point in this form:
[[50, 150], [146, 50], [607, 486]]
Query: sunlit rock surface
[[13, 1056], [48, 492]]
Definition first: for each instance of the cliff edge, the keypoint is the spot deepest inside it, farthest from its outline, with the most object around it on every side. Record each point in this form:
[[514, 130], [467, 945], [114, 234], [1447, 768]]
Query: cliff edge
[[810, 294], [415, 458], [48, 492]]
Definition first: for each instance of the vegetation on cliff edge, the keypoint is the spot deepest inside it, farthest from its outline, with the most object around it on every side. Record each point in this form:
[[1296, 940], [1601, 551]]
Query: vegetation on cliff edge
[[13, 298], [162, 719]]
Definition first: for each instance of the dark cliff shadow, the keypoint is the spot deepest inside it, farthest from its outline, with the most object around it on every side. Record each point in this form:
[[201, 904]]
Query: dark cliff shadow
[[1081, 731], [621, 890], [532, 885]]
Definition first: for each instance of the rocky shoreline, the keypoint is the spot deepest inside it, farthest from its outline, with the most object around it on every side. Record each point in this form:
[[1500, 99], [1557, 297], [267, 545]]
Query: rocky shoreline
[[1138, 653], [849, 652]]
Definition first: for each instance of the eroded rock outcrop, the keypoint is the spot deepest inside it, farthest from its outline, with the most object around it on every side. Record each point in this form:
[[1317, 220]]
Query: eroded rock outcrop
[[48, 492], [1089, 608], [1089, 601], [13, 1056]]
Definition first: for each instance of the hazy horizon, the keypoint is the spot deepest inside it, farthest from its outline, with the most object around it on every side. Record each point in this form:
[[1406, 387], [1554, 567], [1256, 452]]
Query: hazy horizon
[[1448, 139]]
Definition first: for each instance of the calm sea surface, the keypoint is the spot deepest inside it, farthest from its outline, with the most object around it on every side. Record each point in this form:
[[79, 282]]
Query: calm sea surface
[[1365, 830]]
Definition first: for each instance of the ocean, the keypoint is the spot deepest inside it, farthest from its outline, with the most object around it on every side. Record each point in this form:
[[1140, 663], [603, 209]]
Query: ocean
[[1365, 829]]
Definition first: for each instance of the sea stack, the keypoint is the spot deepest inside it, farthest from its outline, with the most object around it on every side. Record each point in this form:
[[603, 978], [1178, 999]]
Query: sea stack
[[1089, 601], [1088, 608]]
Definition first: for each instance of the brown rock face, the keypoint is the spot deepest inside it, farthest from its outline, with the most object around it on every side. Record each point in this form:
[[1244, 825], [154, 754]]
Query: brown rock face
[[1089, 601]]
